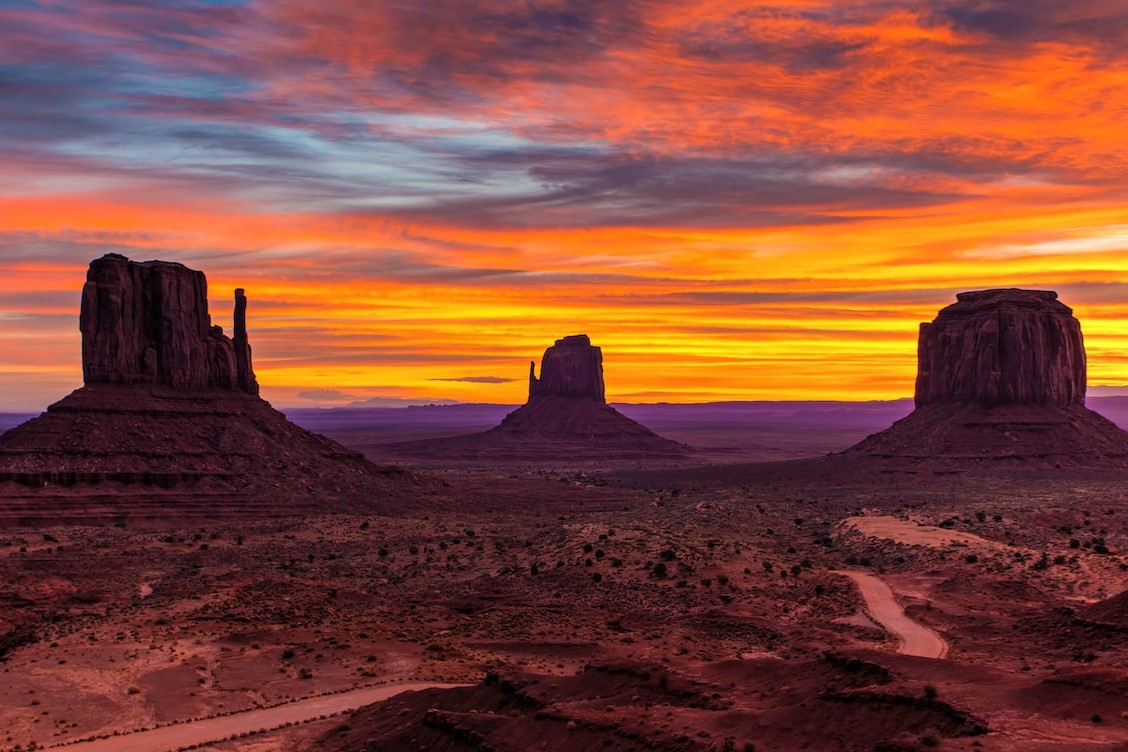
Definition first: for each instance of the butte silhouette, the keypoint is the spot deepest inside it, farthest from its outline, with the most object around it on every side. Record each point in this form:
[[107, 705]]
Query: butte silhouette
[[169, 422], [566, 415], [1000, 388], [1001, 377]]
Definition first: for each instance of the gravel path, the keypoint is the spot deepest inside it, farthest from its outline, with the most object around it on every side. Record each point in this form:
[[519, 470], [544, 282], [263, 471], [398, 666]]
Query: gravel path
[[881, 605], [214, 729]]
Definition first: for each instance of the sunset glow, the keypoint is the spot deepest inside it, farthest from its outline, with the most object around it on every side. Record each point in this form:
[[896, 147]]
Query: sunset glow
[[734, 201]]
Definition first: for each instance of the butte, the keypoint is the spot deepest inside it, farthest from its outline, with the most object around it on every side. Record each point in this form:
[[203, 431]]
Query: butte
[[1000, 389], [169, 423], [566, 416], [1001, 378]]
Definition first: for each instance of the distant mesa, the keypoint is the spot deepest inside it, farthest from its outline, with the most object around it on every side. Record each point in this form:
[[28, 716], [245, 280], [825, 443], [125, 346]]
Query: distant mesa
[[169, 422], [567, 410], [1001, 376]]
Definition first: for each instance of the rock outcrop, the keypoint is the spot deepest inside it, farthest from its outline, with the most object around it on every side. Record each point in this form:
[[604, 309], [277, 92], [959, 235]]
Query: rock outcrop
[[572, 367], [1002, 347], [170, 424], [148, 323], [1001, 376], [566, 415]]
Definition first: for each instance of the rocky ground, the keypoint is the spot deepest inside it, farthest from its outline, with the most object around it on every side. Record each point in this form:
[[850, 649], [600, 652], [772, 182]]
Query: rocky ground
[[592, 610]]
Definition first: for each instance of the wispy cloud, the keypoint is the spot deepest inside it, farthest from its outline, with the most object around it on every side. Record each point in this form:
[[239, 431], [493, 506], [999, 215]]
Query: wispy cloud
[[477, 379]]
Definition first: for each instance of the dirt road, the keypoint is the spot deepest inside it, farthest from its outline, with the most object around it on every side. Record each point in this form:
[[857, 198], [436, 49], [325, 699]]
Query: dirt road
[[882, 607], [215, 729]]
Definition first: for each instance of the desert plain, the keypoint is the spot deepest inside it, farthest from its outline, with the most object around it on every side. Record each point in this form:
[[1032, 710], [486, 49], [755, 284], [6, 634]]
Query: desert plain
[[591, 604]]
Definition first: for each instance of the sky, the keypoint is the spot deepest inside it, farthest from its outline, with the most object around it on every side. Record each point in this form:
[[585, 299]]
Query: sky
[[735, 200]]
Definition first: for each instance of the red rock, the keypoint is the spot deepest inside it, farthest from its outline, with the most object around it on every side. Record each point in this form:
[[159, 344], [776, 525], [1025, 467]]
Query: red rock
[[169, 423], [245, 372], [572, 367], [566, 415], [997, 347], [1001, 377], [148, 323]]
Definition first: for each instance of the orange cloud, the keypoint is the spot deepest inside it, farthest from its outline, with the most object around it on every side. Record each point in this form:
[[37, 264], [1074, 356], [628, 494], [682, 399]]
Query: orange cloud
[[734, 201]]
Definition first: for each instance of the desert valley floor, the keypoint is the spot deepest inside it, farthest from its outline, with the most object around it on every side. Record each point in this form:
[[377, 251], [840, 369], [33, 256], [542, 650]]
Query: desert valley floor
[[590, 605]]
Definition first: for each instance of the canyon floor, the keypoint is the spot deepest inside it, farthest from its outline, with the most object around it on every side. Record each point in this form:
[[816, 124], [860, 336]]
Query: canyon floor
[[587, 605]]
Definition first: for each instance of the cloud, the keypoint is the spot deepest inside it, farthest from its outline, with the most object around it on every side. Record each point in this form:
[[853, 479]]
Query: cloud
[[1100, 24], [478, 379], [416, 188], [327, 395]]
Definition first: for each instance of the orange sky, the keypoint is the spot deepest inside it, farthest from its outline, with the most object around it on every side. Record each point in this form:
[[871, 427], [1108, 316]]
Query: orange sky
[[735, 201]]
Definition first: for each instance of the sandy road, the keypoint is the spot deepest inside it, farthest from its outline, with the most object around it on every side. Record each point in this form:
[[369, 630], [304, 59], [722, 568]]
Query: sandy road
[[916, 639], [215, 729]]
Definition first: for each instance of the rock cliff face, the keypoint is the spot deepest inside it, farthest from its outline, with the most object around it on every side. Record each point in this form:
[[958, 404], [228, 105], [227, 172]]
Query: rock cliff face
[[148, 323], [1002, 347], [572, 367]]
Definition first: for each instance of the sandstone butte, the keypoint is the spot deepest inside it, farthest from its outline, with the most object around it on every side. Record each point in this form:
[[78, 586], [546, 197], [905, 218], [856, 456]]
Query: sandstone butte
[[148, 323], [169, 422], [566, 415], [1001, 376]]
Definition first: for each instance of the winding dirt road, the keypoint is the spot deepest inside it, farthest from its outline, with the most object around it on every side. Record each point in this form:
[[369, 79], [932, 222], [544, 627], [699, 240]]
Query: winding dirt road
[[215, 729], [881, 605]]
